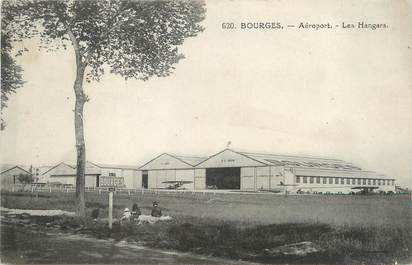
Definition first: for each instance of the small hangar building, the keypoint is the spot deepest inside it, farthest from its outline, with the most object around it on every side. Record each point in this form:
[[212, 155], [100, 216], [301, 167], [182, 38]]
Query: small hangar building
[[10, 176], [232, 170], [96, 175]]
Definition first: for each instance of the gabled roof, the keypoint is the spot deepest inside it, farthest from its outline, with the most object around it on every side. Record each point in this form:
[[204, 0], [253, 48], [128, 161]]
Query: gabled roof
[[42, 169], [16, 167], [92, 169], [114, 166], [61, 163], [191, 160], [304, 162], [64, 169], [168, 161], [305, 165], [229, 158]]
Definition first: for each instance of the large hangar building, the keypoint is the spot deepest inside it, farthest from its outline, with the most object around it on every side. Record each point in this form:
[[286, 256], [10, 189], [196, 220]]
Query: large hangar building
[[232, 170], [167, 167]]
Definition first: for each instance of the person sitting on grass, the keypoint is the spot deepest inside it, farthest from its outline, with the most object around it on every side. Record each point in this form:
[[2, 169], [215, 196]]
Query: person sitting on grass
[[156, 212], [95, 214], [135, 212], [126, 215]]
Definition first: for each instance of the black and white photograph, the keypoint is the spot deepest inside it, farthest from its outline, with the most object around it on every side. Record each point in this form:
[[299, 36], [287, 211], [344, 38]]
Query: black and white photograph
[[206, 132]]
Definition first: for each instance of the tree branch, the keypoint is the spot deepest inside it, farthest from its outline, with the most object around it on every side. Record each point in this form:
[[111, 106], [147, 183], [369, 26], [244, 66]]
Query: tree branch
[[113, 24], [76, 47]]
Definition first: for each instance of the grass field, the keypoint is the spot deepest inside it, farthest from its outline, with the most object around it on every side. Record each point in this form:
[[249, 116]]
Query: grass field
[[244, 208], [348, 229]]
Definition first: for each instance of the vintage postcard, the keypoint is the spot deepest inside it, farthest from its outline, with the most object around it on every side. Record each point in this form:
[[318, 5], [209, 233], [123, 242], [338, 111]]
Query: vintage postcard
[[206, 132]]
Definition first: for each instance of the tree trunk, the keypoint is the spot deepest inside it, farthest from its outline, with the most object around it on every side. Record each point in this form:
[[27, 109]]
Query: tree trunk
[[80, 144], [78, 126]]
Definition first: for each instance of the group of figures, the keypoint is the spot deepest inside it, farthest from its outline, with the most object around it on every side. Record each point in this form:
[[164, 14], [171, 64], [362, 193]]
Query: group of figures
[[135, 213]]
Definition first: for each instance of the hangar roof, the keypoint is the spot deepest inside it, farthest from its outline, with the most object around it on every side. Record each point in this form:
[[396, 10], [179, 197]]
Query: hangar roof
[[281, 160], [191, 160], [301, 161], [168, 161], [16, 168], [100, 165], [301, 165], [63, 169]]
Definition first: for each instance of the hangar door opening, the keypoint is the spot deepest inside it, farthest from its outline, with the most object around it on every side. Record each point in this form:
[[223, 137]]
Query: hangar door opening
[[145, 179], [227, 178]]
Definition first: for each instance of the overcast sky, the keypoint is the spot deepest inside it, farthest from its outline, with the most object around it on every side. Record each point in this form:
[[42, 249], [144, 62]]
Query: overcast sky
[[337, 93]]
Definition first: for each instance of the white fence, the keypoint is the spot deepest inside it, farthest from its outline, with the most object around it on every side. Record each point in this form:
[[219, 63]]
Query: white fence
[[71, 189], [46, 188]]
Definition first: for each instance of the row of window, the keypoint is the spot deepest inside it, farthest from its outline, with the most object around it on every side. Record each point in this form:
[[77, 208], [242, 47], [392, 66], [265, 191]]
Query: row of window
[[347, 181]]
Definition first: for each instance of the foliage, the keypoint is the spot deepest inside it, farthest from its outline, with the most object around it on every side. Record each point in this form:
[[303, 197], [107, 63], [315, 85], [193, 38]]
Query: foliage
[[25, 178], [11, 73], [136, 39]]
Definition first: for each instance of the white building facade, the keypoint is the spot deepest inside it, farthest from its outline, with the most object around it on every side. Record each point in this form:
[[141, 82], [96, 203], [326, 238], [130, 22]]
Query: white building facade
[[167, 167], [232, 170], [96, 175], [10, 177]]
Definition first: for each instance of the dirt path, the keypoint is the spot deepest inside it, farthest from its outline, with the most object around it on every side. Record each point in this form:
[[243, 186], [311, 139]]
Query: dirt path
[[20, 244]]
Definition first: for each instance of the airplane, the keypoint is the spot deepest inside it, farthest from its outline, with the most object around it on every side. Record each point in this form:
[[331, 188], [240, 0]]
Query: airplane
[[272, 190], [279, 190], [365, 190], [176, 184]]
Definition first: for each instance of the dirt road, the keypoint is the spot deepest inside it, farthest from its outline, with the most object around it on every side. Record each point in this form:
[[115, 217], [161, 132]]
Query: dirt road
[[20, 244]]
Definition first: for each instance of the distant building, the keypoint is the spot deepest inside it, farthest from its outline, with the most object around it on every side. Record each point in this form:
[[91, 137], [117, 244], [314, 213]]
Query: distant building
[[232, 170], [226, 170], [96, 175], [10, 176], [401, 190], [38, 173], [167, 167]]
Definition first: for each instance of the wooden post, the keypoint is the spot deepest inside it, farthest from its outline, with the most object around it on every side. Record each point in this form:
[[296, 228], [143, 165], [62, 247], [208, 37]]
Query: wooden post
[[254, 179], [110, 209]]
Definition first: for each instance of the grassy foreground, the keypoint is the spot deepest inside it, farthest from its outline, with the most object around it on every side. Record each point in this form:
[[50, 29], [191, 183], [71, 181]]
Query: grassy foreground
[[247, 239], [256, 209], [335, 245]]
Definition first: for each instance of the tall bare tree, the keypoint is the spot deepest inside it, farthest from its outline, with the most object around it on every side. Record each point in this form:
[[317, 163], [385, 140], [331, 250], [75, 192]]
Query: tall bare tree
[[134, 39]]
